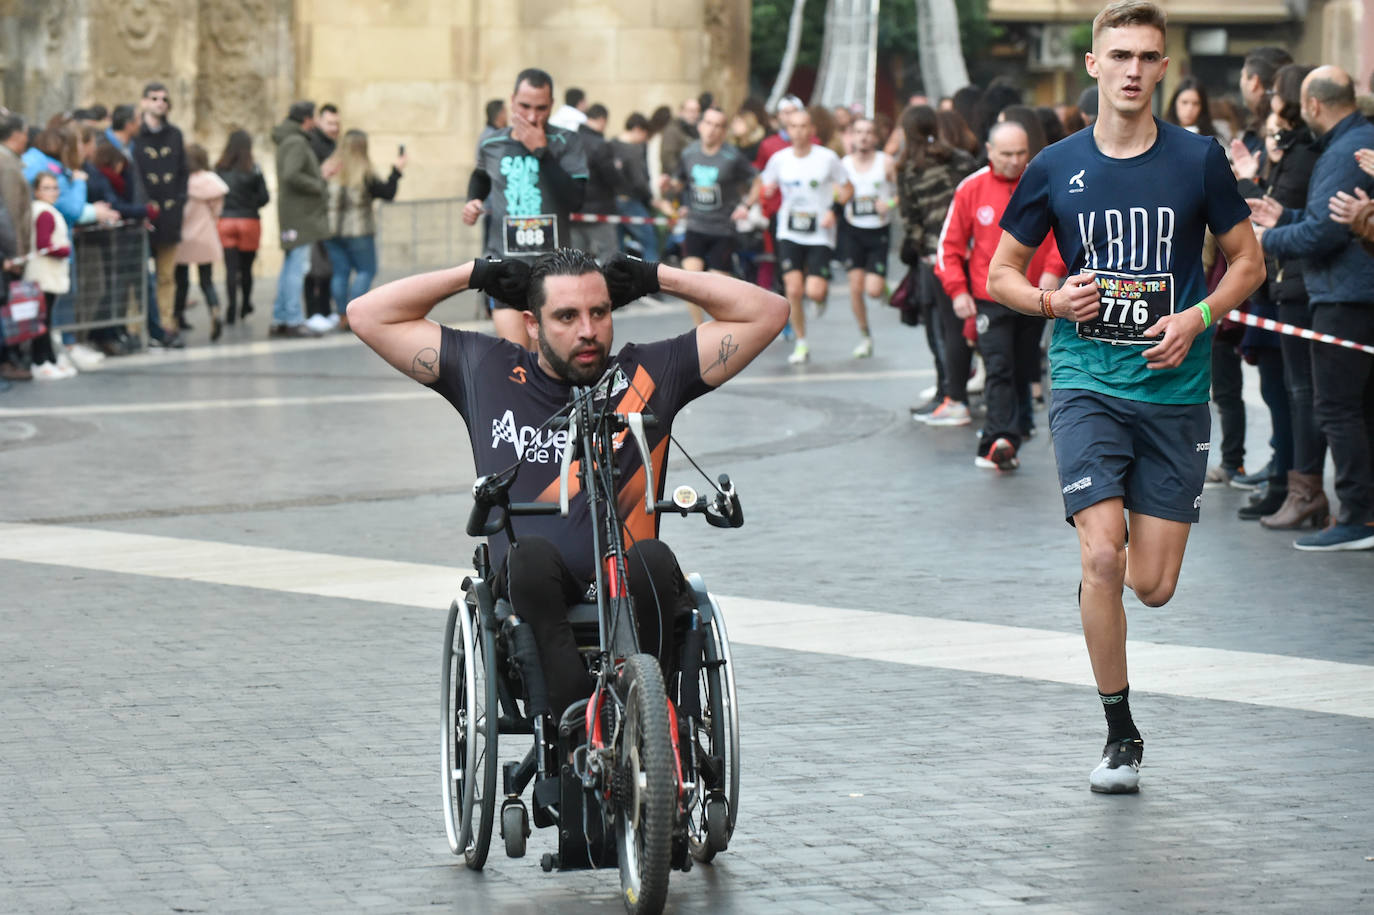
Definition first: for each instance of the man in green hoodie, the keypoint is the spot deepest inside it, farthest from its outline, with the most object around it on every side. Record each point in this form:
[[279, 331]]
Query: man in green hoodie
[[301, 213]]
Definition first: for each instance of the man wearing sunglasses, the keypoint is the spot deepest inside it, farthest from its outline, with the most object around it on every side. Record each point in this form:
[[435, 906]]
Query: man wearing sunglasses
[[160, 154]]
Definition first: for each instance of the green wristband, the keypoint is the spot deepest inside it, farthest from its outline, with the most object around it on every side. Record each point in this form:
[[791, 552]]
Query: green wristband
[[1206, 314]]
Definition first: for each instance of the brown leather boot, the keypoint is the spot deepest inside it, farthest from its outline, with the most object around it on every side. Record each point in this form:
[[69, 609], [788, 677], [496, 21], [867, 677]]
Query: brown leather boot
[[1306, 504]]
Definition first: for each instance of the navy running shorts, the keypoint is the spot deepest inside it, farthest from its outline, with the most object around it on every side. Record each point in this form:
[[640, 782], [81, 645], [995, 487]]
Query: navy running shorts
[[864, 249], [1152, 456], [813, 259]]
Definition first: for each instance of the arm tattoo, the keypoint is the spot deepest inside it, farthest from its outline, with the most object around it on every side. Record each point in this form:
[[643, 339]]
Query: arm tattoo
[[728, 347], [425, 367]]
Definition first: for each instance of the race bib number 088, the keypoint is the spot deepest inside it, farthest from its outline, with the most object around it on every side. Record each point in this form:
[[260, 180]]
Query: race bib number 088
[[531, 234], [1131, 304]]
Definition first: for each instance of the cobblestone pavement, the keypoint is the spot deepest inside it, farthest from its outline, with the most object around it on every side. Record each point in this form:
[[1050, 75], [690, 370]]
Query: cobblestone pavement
[[217, 683]]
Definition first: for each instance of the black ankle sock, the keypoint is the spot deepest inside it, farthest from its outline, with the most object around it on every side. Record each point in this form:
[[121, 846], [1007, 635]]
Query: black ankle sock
[[1117, 707]]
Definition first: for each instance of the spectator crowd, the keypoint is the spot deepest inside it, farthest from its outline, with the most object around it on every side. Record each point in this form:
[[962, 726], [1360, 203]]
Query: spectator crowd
[[106, 212], [778, 197]]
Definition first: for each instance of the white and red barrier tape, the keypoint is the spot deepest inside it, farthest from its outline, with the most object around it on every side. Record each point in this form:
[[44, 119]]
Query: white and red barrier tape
[[1294, 331], [627, 220]]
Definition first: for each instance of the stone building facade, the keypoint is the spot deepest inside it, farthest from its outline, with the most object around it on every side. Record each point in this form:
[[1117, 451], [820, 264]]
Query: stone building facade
[[413, 72]]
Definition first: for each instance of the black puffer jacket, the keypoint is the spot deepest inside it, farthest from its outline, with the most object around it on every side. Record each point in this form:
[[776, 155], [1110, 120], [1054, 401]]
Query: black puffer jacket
[[1287, 183], [603, 178], [247, 193]]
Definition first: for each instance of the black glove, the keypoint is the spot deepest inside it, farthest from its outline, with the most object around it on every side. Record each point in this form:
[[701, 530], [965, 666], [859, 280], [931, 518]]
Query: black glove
[[507, 281], [629, 278]]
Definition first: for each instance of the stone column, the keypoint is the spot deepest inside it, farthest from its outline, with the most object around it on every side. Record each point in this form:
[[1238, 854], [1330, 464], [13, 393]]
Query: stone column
[[726, 76], [133, 42], [246, 75]]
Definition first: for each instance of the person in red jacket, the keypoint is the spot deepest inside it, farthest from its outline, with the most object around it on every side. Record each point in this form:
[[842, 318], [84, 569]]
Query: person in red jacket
[[1008, 340]]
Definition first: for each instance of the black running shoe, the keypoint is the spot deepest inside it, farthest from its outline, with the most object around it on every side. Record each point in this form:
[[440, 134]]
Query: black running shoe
[[1119, 771]]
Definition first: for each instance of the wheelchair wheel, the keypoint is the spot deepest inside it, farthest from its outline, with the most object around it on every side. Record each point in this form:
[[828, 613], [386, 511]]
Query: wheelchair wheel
[[643, 786], [715, 736], [718, 650], [468, 753]]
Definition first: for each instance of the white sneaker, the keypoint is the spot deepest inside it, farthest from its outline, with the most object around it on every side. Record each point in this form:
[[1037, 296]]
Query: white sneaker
[[928, 393], [801, 353], [51, 371], [333, 320], [979, 379], [85, 357], [319, 324], [864, 349], [949, 413], [1119, 771], [64, 361]]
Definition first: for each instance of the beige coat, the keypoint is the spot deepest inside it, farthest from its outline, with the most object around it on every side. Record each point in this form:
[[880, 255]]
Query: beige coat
[[200, 221], [51, 274]]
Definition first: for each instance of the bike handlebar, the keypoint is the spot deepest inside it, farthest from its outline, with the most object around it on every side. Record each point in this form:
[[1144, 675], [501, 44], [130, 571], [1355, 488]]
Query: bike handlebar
[[723, 510], [491, 493]]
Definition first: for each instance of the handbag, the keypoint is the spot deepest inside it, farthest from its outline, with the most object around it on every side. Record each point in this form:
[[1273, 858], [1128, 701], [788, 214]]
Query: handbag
[[905, 298], [24, 316], [917, 294]]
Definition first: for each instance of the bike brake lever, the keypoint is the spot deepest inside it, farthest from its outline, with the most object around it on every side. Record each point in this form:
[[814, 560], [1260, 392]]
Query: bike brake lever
[[728, 500], [566, 466], [635, 422]]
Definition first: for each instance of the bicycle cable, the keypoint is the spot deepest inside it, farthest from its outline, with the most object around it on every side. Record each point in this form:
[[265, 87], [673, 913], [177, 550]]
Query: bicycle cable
[[673, 438]]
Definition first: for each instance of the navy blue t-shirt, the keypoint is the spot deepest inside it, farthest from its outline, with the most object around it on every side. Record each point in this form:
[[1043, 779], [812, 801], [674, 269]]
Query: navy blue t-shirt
[[1139, 224]]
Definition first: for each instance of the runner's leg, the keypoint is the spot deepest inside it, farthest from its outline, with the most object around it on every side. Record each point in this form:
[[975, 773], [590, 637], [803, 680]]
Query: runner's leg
[[792, 288], [875, 284], [817, 289], [1102, 547], [856, 299], [694, 265], [1155, 557], [1102, 540]]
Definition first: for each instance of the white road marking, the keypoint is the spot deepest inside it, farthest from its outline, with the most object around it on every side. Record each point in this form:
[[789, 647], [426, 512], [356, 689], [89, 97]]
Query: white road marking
[[1278, 681], [416, 393], [236, 403]]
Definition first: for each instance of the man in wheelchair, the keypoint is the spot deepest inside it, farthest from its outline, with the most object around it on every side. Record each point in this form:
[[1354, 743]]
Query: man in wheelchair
[[506, 393]]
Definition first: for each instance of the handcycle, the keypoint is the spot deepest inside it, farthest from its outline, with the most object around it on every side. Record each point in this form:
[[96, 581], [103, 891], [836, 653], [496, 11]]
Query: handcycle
[[641, 776]]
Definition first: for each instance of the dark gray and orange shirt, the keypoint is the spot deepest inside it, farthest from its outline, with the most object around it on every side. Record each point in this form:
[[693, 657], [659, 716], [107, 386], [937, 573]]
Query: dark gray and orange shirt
[[506, 398]]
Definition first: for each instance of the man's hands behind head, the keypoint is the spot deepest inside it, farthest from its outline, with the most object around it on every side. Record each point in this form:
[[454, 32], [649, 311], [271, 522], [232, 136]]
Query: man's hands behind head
[[629, 278], [507, 281]]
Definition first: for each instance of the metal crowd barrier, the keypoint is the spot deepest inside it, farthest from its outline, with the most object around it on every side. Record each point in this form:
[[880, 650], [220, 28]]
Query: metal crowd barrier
[[418, 235], [109, 280]]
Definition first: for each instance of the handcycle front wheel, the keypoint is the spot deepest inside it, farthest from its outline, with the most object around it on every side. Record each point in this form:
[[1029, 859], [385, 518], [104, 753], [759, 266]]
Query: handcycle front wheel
[[468, 743], [645, 786]]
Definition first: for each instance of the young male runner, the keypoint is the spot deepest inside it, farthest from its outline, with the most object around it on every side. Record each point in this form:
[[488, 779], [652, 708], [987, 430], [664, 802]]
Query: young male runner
[[812, 182], [867, 216], [1128, 202], [533, 175], [713, 178]]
